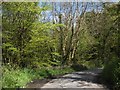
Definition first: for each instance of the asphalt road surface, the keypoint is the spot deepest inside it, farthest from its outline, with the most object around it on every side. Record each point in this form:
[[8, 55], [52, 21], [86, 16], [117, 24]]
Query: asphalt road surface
[[83, 80]]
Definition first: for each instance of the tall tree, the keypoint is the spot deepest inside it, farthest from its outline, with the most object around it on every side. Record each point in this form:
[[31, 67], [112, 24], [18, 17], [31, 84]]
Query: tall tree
[[16, 25]]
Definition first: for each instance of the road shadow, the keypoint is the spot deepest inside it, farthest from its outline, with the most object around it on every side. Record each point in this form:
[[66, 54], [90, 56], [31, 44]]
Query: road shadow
[[93, 76]]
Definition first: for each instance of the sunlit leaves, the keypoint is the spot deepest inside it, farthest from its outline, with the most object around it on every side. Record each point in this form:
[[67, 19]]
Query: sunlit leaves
[[17, 21]]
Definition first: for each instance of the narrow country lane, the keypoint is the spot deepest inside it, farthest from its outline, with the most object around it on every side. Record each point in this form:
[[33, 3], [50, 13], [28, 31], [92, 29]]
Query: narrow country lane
[[83, 79]]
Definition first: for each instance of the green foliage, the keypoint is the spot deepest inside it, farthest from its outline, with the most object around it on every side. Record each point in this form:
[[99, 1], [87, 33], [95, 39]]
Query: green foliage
[[111, 73], [17, 22], [59, 71], [27, 42], [13, 78], [43, 72], [88, 64], [78, 67], [42, 47]]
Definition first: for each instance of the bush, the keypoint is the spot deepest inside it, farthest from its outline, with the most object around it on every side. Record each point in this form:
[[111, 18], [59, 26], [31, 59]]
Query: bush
[[53, 72], [78, 67], [117, 77], [111, 73], [42, 72], [15, 78]]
